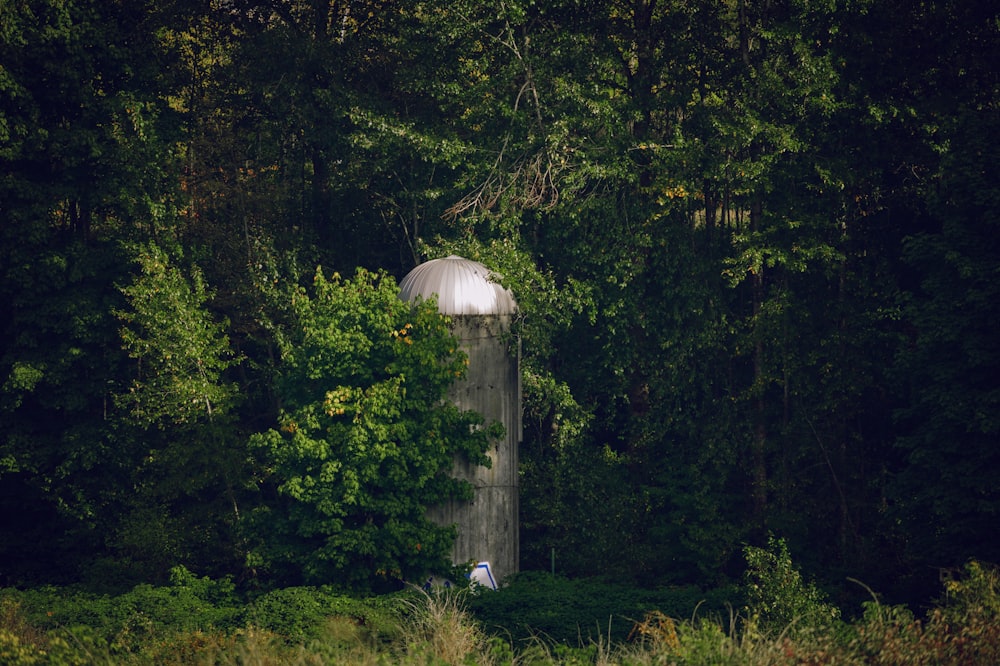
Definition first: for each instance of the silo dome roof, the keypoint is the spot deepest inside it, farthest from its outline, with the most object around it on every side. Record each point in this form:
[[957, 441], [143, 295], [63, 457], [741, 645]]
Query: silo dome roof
[[462, 287]]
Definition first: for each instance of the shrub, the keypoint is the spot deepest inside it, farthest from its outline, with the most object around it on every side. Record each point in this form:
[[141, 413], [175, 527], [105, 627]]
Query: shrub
[[126, 621], [304, 613], [778, 599], [965, 629], [537, 604], [189, 603]]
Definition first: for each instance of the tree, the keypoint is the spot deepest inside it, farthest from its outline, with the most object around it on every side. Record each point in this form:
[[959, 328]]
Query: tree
[[365, 440], [948, 426], [180, 402], [81, 168], [181, 353]]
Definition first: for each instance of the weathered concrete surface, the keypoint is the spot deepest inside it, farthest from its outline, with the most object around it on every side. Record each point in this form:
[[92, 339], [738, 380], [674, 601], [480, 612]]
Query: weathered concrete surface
[[488, 525]]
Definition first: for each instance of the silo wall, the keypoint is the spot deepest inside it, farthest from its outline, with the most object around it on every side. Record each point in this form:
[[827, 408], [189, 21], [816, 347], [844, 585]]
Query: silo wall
[[488, 525]]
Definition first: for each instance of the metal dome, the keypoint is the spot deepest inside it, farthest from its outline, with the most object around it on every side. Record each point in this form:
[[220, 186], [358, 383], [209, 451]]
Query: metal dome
[[462, 287]]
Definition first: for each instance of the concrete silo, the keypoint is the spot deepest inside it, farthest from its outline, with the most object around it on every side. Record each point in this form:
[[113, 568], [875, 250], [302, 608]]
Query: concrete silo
[[481, 312]]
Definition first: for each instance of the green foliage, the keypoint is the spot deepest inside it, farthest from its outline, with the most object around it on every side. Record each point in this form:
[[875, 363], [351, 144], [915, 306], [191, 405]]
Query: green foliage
[[77, 646], [62, 457], [127, 622], [176, 412], [301, 613], [948, 427], [83, 164], [174, 625], [366, 440], [723, 221], [779, 601], [962, 630], [181, 352], [535, 604], [973, 593]]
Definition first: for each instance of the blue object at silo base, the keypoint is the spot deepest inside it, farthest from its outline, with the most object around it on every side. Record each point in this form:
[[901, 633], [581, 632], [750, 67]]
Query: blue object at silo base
[[482, 575]]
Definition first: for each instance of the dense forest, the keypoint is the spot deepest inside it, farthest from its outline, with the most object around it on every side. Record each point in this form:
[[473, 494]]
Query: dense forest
[[755, 247]]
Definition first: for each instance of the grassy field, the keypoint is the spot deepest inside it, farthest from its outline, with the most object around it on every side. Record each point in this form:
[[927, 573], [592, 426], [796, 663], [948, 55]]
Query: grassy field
[[538, 619]]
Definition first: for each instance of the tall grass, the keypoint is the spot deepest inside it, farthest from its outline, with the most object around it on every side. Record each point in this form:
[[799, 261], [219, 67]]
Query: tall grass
[[439, 629]]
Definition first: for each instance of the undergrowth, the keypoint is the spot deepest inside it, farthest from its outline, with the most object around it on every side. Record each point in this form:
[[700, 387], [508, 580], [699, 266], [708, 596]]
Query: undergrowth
[[780, 619]]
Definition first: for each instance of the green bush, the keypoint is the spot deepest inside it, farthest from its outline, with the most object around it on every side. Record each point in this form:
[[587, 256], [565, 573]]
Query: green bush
[[301, 613], [187, 604], [126, 621], [778, 599], [297, 612], [560, 610]]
